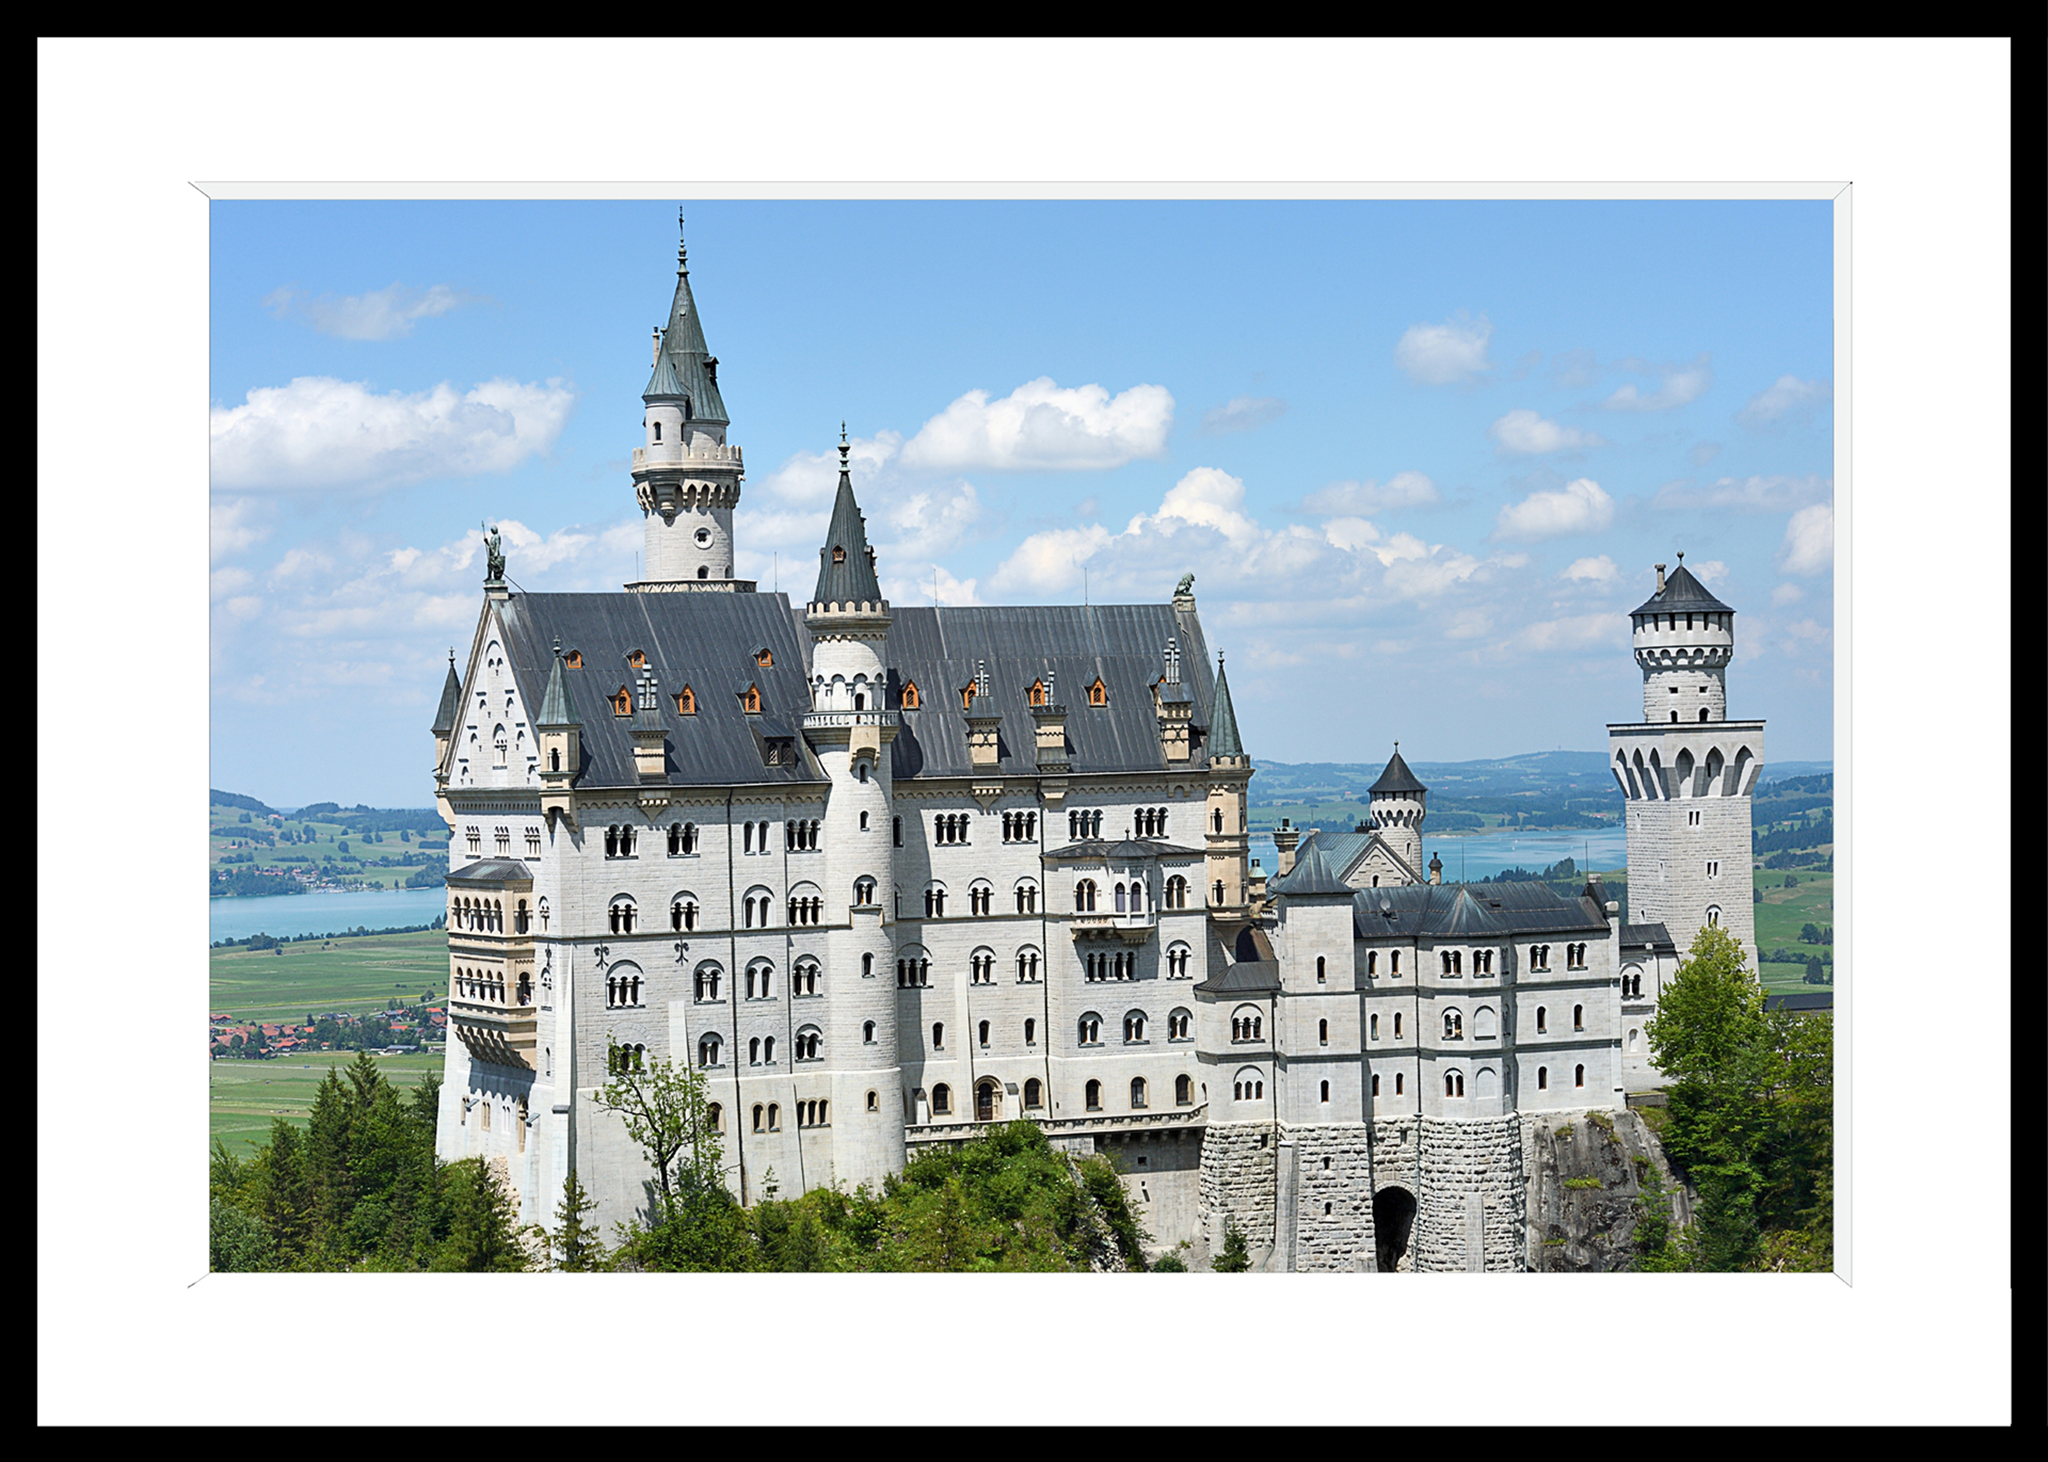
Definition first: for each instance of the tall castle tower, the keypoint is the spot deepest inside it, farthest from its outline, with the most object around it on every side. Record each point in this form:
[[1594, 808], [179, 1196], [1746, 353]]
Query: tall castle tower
[[1228, 831], [685, 476], [1688, 771], [850, 728], [1397, 803]]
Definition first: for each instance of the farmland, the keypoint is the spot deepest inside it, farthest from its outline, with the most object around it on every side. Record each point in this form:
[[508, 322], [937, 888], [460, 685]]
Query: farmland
[[244, 1096], [345, 976]]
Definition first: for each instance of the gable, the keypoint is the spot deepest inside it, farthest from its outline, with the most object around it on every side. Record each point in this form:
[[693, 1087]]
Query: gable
[[494, 743], [1382, 862]]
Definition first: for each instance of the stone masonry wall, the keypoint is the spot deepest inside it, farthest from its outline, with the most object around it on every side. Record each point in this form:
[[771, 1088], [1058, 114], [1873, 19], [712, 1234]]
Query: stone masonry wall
[[1335, 1172], [1470, 1208], [1237, 1182]]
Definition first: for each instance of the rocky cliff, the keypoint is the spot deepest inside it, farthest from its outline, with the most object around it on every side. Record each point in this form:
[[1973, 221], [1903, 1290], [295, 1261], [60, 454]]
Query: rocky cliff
[[1587, 1172]]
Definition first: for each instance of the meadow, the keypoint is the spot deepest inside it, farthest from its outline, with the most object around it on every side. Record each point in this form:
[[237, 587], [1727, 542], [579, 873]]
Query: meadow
[[312, 977]]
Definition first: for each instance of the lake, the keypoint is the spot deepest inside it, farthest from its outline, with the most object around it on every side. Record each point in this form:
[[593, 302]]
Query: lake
[[283, 915], [1481, 855]]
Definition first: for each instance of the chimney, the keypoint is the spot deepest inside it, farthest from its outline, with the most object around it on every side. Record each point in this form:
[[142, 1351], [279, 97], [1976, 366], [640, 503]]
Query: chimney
[[1286, 840], [984, 750], [1660, 578], [1436, 869], [1174, 708], [650, 733], [1050, 726]]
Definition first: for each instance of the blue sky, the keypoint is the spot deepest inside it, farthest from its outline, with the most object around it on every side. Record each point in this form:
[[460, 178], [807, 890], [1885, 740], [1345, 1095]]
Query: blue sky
[[1421, 457]]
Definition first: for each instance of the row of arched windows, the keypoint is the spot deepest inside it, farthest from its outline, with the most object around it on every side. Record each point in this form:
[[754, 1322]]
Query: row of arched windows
[[800, 837], [1247, 1025], [1020, 827], [1150, 822], [483, 987], [618, 842], [622, 989], [806, 910], [1084, 824], [1176, 892], [1372, 962], [483, 916], [949, 828], [1110, 966], [625, 1060]]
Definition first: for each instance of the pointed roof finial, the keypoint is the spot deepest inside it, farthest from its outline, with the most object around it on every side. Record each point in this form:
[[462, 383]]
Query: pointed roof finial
[[682, 249], [842, 442], [1681, 555]]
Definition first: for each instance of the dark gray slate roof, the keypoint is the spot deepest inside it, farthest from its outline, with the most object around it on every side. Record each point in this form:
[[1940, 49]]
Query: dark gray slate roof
[[682, 366], [1397, 777], [1647, 936], [1122, 643], [1311, 876], [1491, 910], [1345, 849], [1682, 592], [851, 579], [1223, 738], [492, 870], [1247, 966], [1123, 850], [451, 702], [704, 641]]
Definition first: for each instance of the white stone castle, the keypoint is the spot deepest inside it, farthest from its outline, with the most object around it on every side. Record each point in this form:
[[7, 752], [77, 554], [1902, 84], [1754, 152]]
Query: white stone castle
[[887, 875]]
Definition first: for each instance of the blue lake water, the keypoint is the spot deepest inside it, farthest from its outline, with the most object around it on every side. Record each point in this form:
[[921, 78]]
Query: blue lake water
[[1481, 855], [283, 915]]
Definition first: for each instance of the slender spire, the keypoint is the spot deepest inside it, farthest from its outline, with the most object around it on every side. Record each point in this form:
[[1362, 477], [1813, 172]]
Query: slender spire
[[451, 700], [1223, 738], [556, 708], [846, 565], [684, 366]]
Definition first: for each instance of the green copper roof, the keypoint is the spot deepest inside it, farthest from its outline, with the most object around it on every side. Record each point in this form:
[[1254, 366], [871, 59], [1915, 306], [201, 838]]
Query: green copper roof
[[846, 565], [451, 702], [556, 709], [1223, 739], [684, 366]]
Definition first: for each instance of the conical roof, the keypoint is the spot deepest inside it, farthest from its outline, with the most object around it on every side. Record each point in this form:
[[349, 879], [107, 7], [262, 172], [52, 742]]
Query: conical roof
[[1682, 592], [451, 701], [1397, 778], [1223, 738], [556, 709], [684, 366], [846, 565]]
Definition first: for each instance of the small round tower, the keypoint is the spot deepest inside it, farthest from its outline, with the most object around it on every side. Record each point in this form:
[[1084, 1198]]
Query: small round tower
[[1397, 804], [1684, 638]]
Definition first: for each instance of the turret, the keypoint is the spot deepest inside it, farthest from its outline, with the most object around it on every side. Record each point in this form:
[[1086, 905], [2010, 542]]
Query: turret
[[1228, 835], [1397, 804], [850, 729], [685, 476], [445, 718], [1684, 638], [1175, 708], [561, 746]]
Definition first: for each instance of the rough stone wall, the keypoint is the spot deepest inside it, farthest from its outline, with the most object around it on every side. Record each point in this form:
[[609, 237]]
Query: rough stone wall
[[1335, 1172], [1237, 1181], [1470, 1207], [1590, 1229]]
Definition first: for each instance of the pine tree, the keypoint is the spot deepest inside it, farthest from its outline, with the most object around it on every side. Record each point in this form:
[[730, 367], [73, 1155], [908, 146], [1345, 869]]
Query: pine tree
[[1235, 1258], [574, 1247]]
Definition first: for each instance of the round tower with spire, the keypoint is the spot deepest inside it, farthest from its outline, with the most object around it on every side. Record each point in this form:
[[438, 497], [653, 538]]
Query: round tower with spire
[[686, 477], [1228, 842], [1684, 638], [850, 728], [1397, 804]]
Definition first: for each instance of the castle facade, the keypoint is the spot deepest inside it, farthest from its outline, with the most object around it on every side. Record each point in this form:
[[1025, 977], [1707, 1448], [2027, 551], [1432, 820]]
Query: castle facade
[[886, 875]]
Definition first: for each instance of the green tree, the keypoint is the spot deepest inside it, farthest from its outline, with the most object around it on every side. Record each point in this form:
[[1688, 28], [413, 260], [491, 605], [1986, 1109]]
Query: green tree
[[482, 1231], [664, 1107], [1809, 933], [1235, 1257], [574, 1247]]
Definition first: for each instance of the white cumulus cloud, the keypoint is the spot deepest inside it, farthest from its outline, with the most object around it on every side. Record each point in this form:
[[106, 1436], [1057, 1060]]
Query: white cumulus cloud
[[1523, 431], [382, 314], [1438, 355], [1810, 541], [1677, 385], [1599, 570], [1050, 561], [1042, 426], [1581, 506], [1787, 594], [1402, 490], [1242, 413], [812, 477], [229, 529], [321, 432], [1788, 398]]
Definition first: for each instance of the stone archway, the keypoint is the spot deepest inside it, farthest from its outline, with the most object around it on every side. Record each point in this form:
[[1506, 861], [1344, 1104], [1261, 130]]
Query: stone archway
[[1393, 1220], [988, 1099]]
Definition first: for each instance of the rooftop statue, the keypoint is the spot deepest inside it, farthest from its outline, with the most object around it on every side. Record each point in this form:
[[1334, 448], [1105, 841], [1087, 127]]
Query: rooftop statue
[[494, 551], [1185, 586]]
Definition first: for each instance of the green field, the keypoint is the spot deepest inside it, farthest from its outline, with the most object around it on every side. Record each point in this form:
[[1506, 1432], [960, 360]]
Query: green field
[[230, 837], [346, 976], [246, 1095]]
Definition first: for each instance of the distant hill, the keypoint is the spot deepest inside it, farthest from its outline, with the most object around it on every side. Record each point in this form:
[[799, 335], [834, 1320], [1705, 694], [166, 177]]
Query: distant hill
[[1541, 774], [236, 799]]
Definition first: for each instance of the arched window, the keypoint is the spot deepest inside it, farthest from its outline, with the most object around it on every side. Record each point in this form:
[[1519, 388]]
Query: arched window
[[768, 1051], [867, 966], [1177, 1025], [1578, 1076], [1248, 1085], [1373, 1026], [1578, 1017], [1326, 1092], [1183, 1090], [1542, 1021], [1134, 1027], [942, 1100], [1176, 892], [1322, 1033], [1034, 1093], [1090, 1029], [1216, 819], [1454, 1083], [1542, 1078], [1120, 898], [758, 1109], [874, 1101], [1400, 1081], [1375, 1086], [707, 1051], [867, 1032], [938, 1035], [714, 1117], [807, 1040], [774, 1117], [1397, 1025], [1138, 1093], [1093, 1096], [1714, 915], [981, 1035], [682, 913], [754, 1051], [1030, 1032], [1454, 1026], [910, 696], [1084, 896], [707, 981]]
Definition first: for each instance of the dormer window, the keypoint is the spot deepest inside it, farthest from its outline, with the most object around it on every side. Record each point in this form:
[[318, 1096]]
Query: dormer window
[[574, 659], [1098, 693], [750, 698], [911, 700], [686, 702], [637, 659], [1036, 695], [763, 658], [838, 554], [622, 703]]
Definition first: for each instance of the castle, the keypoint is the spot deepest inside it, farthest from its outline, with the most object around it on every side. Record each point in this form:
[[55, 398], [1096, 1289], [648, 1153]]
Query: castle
[[885, 875]]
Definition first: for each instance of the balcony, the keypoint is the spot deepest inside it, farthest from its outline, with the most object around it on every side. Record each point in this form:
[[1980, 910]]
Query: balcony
[[1131, 928], [1174, 1119], [492, 1031], [843, 720]]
